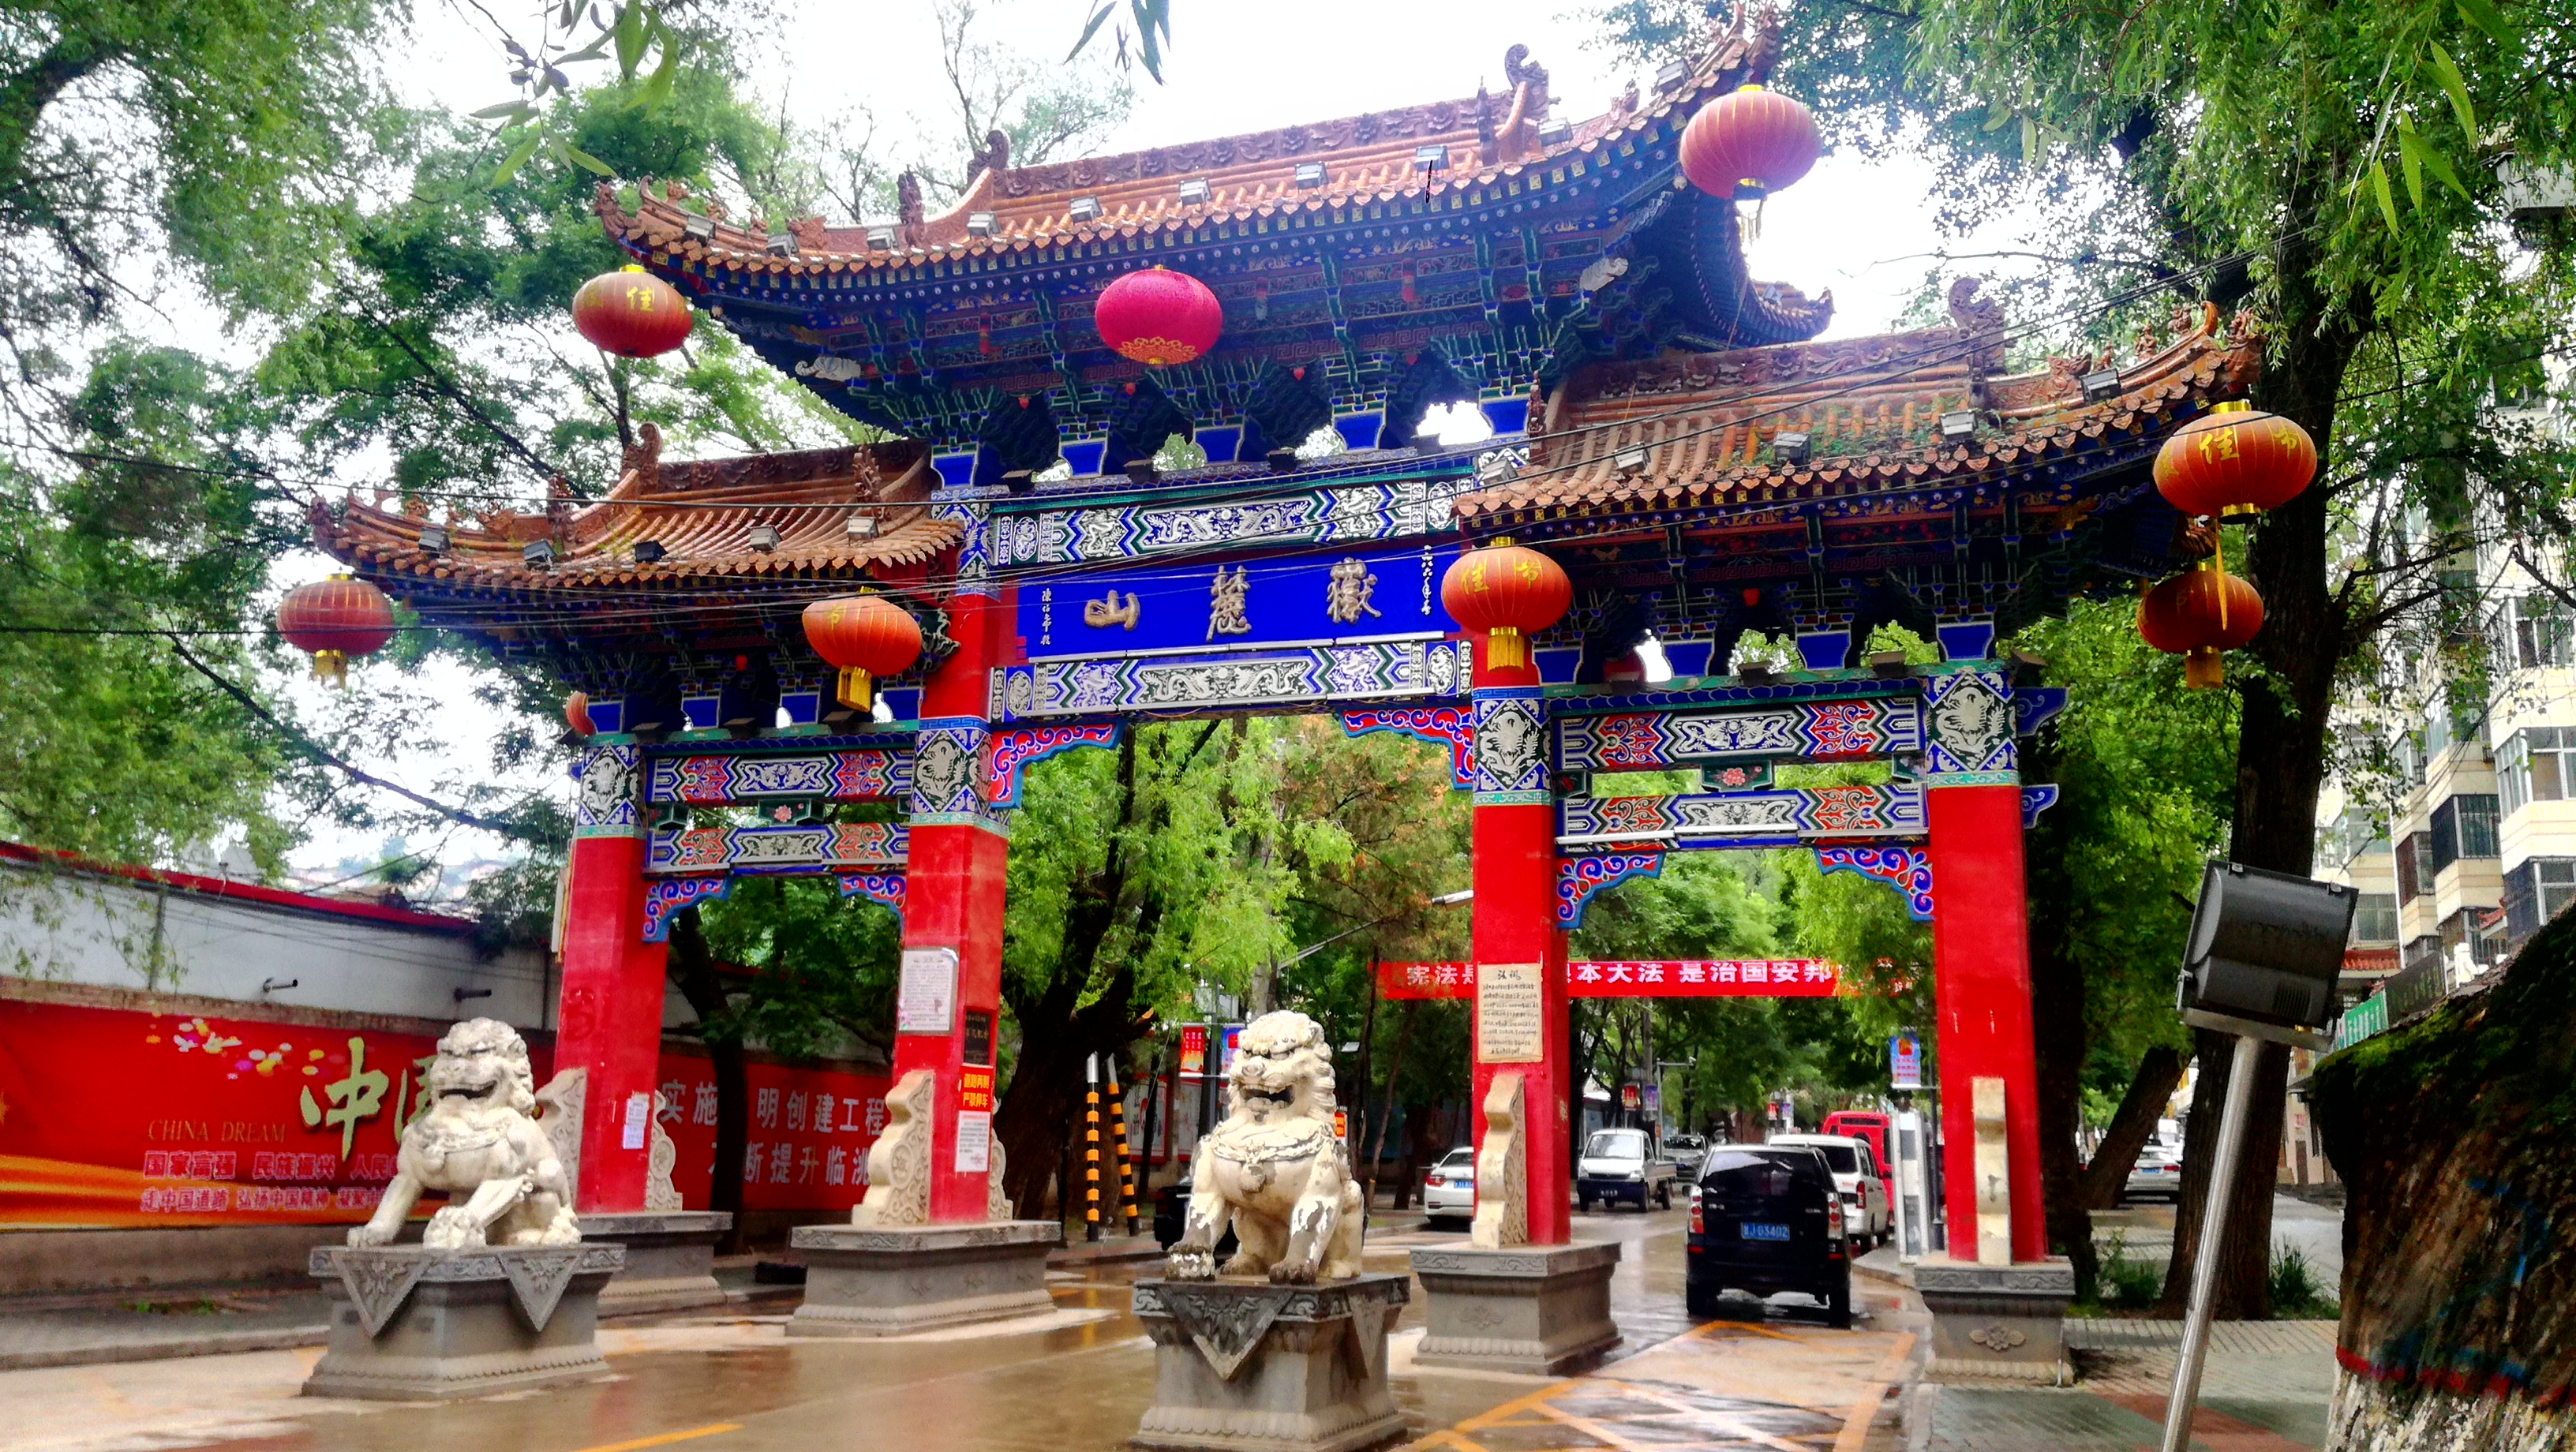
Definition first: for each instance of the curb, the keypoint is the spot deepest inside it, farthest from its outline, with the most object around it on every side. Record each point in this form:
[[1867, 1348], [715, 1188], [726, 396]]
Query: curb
[[1069, 1260], [1893, 1275], [213, 1343]]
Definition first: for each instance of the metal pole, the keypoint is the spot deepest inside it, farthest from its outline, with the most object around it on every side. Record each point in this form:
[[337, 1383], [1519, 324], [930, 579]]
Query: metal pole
[[1091, 1148], [2213, 1223]]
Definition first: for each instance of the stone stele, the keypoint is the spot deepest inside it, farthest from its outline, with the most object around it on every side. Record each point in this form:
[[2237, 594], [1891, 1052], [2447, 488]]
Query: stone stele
[[1244, 1365], [412, 1323]]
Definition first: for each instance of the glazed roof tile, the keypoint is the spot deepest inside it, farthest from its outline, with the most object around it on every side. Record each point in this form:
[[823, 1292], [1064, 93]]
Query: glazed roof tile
[[701, 513], [1871, 408], [1366, 158]]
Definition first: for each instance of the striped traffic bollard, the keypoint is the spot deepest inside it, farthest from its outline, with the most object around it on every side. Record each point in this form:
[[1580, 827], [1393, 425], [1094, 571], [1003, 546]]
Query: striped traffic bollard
[[1091, 1149], [1126, 1150]]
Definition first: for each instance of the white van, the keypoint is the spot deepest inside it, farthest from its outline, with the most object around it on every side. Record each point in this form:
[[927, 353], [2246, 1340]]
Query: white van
[[1857, 1176]]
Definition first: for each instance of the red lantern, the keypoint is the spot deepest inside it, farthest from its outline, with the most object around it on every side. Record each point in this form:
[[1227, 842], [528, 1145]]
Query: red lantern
[[1507, 592], [2198, 614], [336, 619], [1749, 142], [2235, 460], [631, 313], [577, 714], [866, 636], [1158, 317]]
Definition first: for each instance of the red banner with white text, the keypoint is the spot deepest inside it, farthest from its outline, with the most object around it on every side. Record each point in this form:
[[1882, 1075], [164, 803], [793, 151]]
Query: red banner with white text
[[117, 1117], [1663, 978]]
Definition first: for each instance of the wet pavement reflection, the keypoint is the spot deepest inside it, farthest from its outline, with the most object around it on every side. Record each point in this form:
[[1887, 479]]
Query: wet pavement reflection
[[1075, 1379]]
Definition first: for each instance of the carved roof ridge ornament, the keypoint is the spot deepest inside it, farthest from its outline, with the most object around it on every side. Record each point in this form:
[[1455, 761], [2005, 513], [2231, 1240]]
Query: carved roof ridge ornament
[[1707, 449]]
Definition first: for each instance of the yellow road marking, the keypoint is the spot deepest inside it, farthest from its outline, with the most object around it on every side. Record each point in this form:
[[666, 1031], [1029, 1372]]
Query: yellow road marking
[[1855, 1433], [665, 1438]]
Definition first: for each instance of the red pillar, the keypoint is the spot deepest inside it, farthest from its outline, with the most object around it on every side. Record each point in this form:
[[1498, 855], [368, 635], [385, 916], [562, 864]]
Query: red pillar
[[1514, 867], [609, 1015], [953, 897], [1981, 984]]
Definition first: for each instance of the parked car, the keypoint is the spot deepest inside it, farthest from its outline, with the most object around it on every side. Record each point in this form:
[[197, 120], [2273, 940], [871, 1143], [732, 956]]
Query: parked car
[[2157, 1172], [1689, 1151], [1858, 1179], [1623, 1164], [1450, 1188], [1869, 1124], [1766, 1218]]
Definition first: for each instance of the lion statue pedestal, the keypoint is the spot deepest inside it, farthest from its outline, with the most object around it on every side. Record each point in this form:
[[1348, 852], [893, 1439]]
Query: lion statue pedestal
[[500, 1294], [891, 1270], [1499, 1303], [1284, 1345]]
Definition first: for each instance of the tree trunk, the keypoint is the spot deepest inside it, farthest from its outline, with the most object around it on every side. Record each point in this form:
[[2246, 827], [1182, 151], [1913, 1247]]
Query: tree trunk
[[2280, 744], [1386, 1112], [2159, 1070], [2057, 1019], [1145, 1146], [693, 971]]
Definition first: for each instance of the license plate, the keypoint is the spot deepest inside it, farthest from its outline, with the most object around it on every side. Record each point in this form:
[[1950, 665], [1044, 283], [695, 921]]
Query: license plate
[[1462, 1184], [1762, 1230]]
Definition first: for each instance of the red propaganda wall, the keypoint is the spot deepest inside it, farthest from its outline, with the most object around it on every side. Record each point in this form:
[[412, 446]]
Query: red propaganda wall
[[117, 1117]]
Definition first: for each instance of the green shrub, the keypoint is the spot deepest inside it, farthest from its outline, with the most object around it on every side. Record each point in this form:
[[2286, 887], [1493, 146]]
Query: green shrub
[[2128, 1284], [2296, 1293]]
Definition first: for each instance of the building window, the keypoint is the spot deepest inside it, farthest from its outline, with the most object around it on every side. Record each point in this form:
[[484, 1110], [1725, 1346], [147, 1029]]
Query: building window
[[2544, 632], [2478, 818], [2374, 920], [2534, 892], [2463, 826], [2537, 765], [2414, 872], [2462, 927]]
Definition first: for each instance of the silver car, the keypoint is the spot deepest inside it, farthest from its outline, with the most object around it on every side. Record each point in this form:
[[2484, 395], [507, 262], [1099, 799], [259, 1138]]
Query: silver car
[[2158, 1172], [1450, 1188]]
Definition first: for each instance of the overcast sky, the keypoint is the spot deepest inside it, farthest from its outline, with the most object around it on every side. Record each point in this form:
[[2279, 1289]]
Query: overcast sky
[[1859, 229]]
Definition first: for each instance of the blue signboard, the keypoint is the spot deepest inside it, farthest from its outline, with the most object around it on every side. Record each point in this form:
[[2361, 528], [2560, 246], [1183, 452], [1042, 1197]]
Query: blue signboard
[[1308, 599], [1904, 1061]]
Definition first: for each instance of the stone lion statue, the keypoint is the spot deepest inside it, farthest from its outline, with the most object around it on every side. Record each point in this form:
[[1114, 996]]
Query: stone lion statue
[[1274, 1167], [478, 1141]]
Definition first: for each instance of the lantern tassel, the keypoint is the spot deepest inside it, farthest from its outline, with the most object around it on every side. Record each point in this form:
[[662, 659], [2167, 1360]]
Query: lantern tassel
[[855, 689], [332, 666], [1506, 648], [2203, 667]]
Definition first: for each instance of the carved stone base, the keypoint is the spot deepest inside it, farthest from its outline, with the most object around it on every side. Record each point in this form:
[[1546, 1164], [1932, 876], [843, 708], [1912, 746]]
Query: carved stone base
[[412, 1324], [1539, 1309], [877, 1280], [1997, 1322], [670, 1258], [1241, 1365]]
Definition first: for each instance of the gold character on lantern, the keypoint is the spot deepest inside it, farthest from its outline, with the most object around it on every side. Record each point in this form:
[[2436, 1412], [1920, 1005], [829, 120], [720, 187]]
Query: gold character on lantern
[[1348, 591], [1226, 602]]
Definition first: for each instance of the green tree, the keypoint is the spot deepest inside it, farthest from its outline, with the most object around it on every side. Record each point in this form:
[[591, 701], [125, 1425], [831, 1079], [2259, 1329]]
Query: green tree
[[2146, 782], [2338, 168], [1136, 873]]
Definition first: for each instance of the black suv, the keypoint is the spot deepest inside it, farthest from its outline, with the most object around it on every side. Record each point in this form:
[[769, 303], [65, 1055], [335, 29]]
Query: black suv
[[1765, 1218]]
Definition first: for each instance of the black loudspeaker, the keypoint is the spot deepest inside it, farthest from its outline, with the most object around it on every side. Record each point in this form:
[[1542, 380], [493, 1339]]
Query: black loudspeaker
[[2266, 946]]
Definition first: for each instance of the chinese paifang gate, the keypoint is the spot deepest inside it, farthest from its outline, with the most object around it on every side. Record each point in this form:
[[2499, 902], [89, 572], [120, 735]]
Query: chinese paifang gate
[[1665, 430]]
